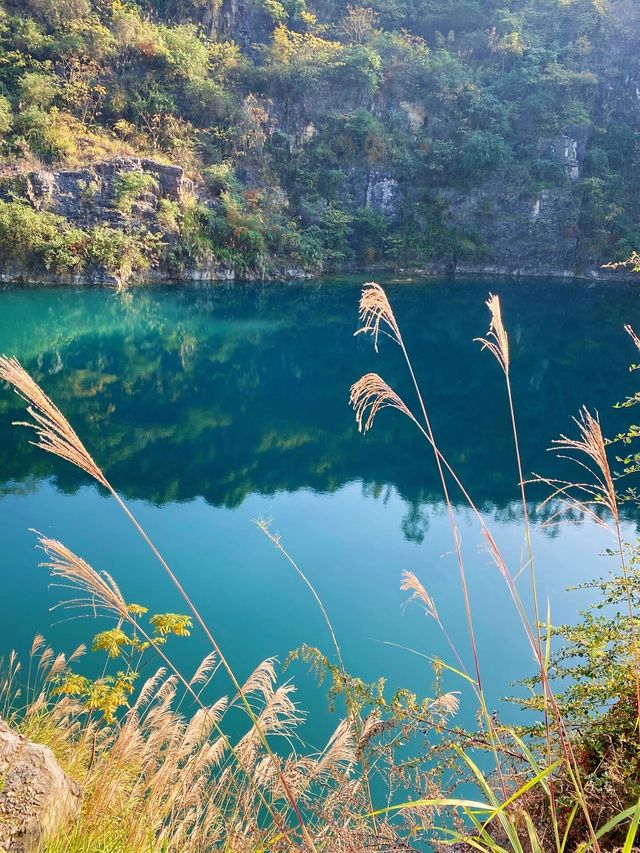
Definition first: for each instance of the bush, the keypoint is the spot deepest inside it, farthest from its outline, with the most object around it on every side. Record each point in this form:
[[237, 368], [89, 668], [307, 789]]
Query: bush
[[40, 239], [37, 90], [46, 240], [6, 116], [169, 215], [362, 69], [58, 12], [186, 53], [47, 133], [122, 255], [483, 152], [130, 186]]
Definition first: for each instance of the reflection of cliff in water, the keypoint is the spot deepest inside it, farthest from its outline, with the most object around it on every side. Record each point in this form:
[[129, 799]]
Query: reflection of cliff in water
[[232, 390]]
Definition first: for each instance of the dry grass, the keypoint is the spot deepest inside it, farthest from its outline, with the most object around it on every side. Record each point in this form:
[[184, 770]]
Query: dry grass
[[497, 340], [56, 436], [371, 394], [376, 315], [589, 452], [156, 779]]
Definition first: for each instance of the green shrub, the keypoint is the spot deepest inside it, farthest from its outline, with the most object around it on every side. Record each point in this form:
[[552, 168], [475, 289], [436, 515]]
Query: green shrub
[[219, 178], [275, 10], [129, 187], [482, 152], [169, 216], [186, 52], [6, 116], [46, 132], [40, 239], [58, 12], [37, 90], [122, 255]]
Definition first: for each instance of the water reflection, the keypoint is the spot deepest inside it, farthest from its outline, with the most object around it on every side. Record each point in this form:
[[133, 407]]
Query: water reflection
[[228, 391]]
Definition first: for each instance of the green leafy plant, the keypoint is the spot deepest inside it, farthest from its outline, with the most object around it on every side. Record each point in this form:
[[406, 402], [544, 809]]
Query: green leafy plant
[[129, 188]]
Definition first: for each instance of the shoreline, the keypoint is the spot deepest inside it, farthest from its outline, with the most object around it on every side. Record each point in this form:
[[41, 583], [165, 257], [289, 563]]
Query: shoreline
[[16, 277]]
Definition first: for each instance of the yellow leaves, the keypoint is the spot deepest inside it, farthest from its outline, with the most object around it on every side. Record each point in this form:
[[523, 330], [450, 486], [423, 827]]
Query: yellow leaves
[[304, 48], [124, 128], [72, 685], [115, 640], [108, 694], [172, 623], [224, 57], [110, 642], [104, 695]]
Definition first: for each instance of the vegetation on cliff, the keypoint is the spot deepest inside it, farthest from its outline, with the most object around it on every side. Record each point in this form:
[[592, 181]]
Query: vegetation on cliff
[[320, 134]]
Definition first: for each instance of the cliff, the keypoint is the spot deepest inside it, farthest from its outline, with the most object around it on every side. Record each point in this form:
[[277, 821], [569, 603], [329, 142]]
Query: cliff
[[258, 139]]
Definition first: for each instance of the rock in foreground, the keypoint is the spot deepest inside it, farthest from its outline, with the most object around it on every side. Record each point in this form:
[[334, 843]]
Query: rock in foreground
[[36, 796]]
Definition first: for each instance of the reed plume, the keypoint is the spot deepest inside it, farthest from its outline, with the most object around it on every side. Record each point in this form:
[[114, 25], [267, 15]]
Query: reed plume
[[602, 491], [56, 436], [369, 395], [447, 705], [204, 671], [55, 433], [497, 340], [97, 591], [376, 314], [411, 584], [591, 444]]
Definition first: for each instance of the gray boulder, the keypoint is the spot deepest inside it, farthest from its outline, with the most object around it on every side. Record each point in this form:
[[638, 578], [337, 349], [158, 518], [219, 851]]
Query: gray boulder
[[36, 797]]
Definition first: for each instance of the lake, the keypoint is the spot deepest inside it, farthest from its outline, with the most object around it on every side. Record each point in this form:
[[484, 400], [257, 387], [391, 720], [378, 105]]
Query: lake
[[211, 407]]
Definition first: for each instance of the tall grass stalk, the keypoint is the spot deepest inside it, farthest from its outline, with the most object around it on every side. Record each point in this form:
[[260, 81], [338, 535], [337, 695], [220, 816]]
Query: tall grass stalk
[[103, 595], [600, 492], [375, 310], [55, 435], [497, 342], [376, 317], [352, 709], [368, 397], [372, 393]]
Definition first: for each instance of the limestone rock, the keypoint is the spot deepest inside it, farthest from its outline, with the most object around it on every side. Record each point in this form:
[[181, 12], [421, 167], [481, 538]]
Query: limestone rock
[[36, 796], [87, 196], [383, 194]]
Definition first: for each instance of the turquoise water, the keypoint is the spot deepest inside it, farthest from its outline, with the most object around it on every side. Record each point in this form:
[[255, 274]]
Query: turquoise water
[[211, 407]]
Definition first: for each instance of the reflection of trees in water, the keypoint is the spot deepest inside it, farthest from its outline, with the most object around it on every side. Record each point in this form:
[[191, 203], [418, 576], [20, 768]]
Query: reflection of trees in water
[[226, 391], [545, 517]]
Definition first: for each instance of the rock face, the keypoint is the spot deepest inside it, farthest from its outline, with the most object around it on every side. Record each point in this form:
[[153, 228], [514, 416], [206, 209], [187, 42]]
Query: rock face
[[524, 235], [528, 233], [245, 22], [88, 196], [383, 194], [36, 797]]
